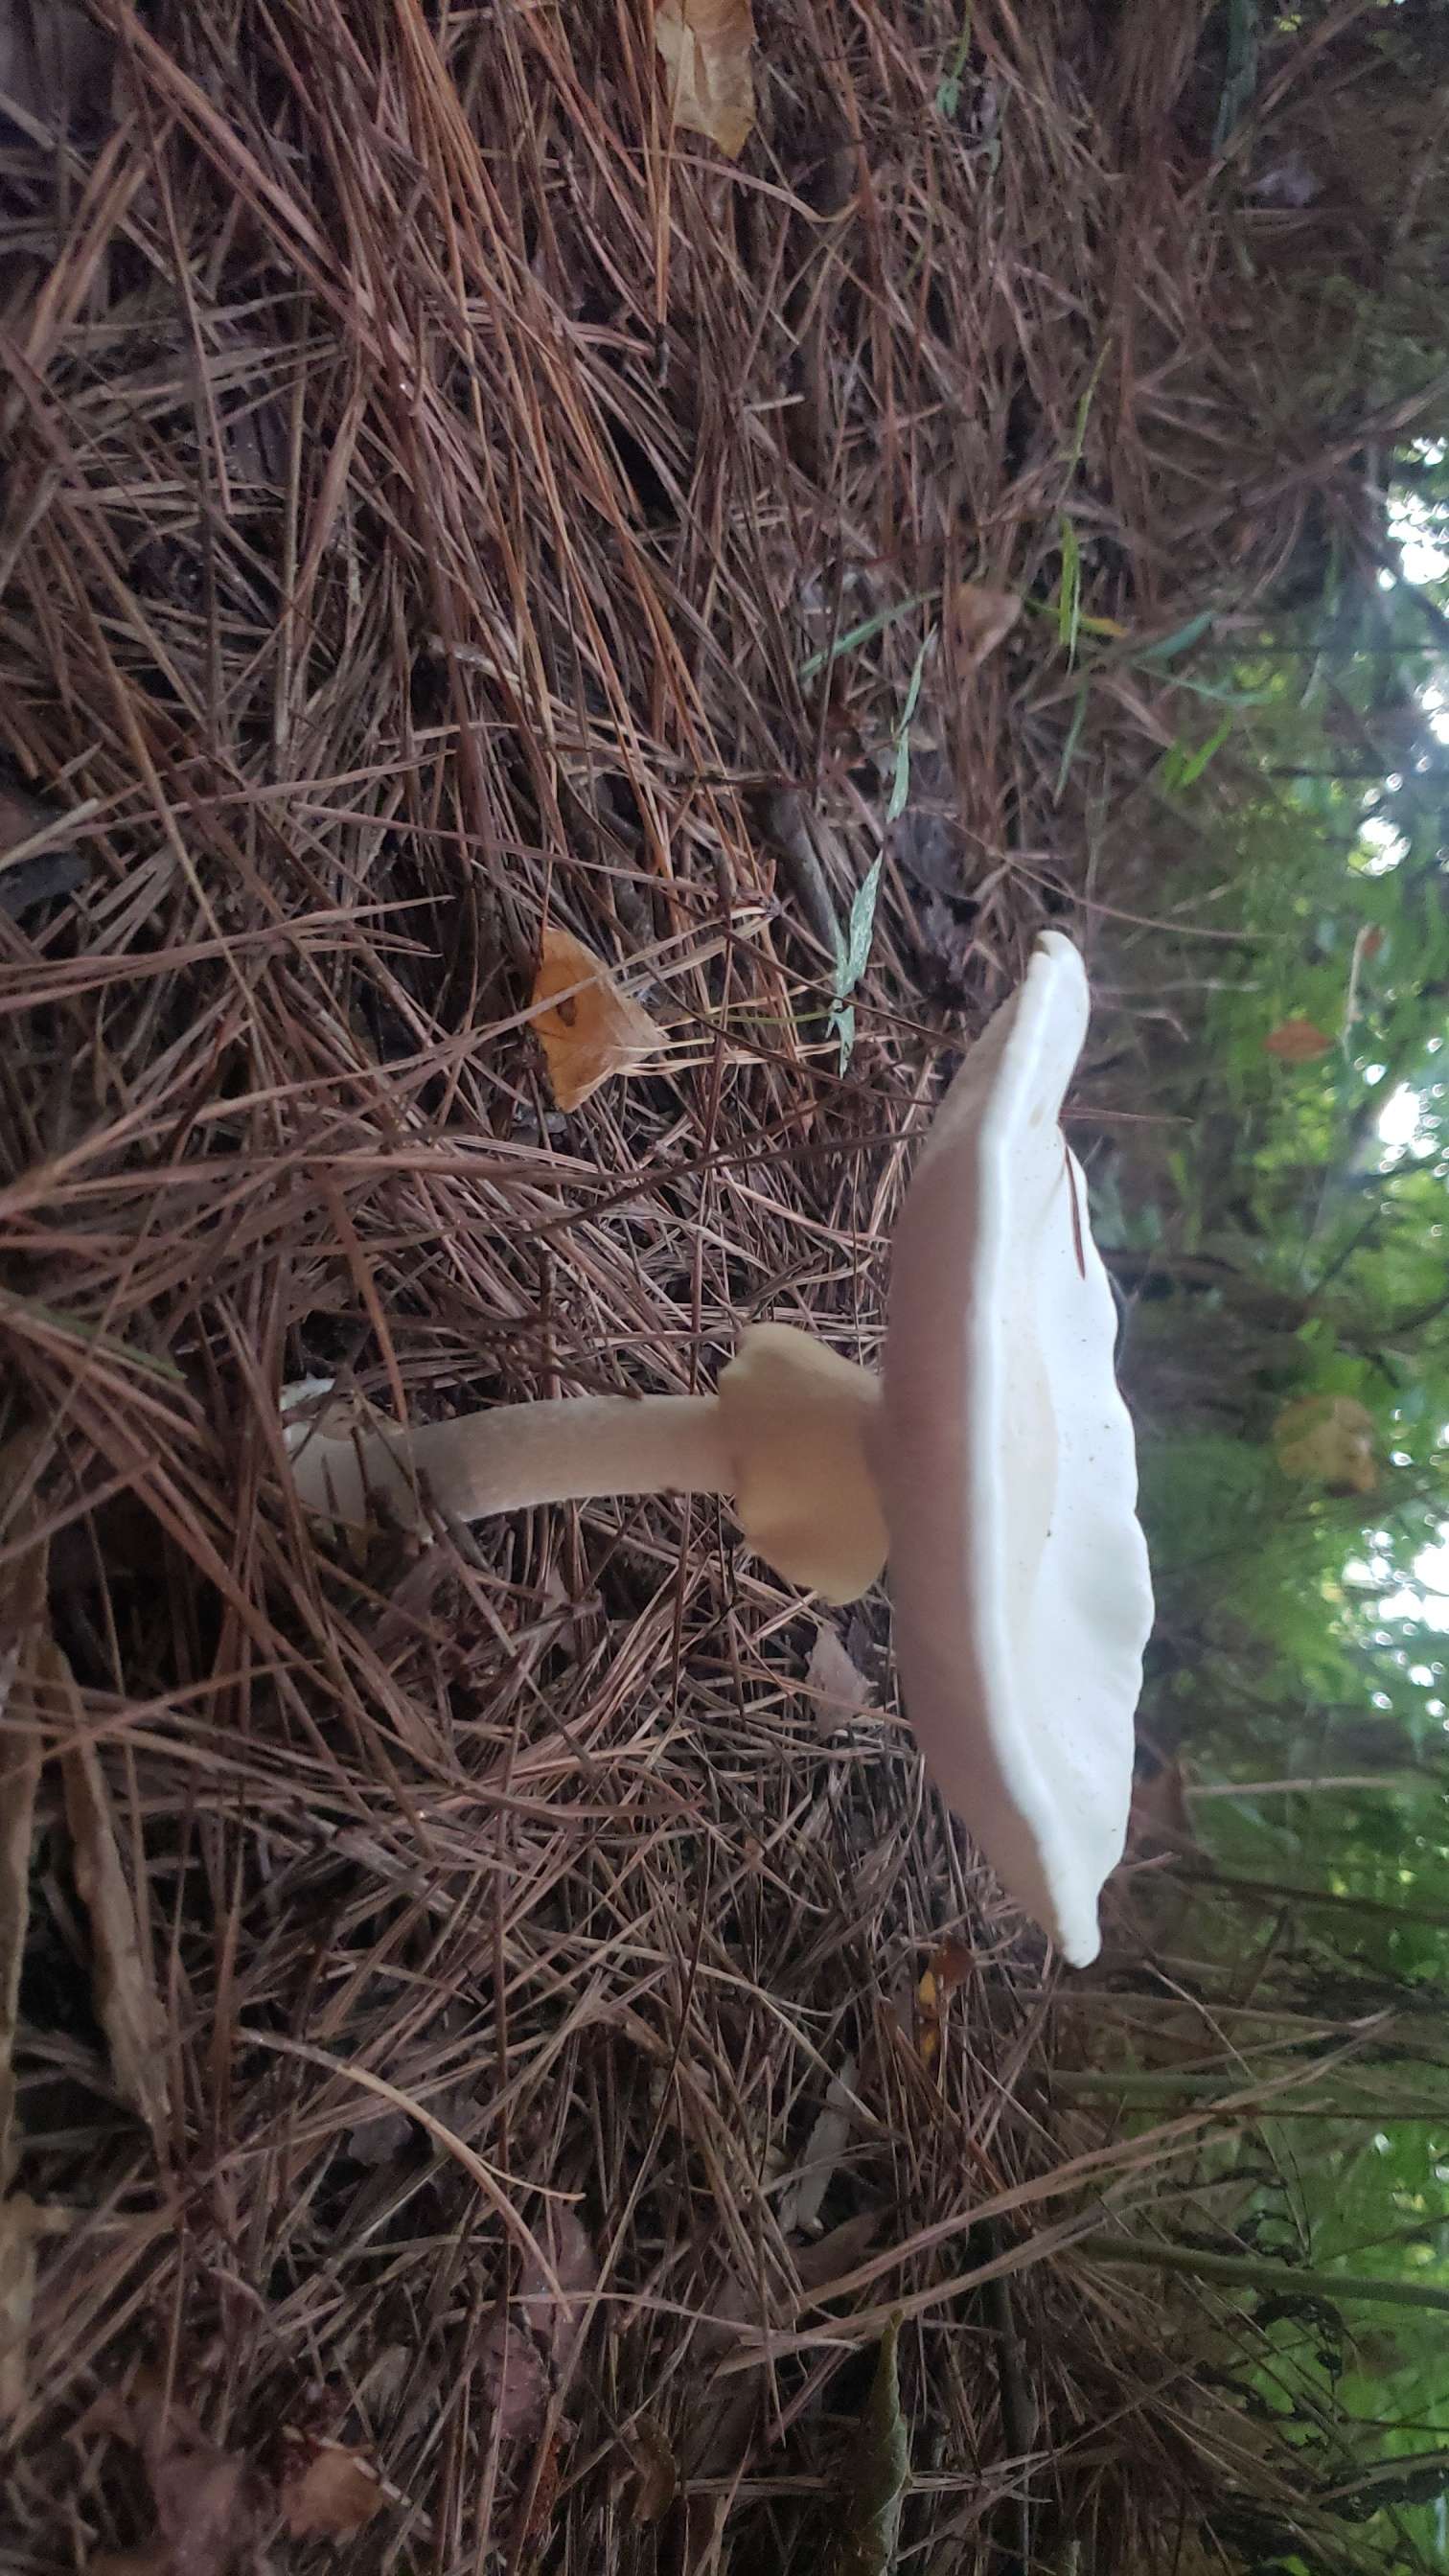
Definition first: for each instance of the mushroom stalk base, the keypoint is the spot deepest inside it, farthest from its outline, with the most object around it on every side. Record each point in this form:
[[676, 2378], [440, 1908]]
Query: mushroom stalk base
[[567, 1450]]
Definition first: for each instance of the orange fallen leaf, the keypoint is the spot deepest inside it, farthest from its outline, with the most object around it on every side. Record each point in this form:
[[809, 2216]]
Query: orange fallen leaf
[[705, 48], [591, 1033], [1328, 1440], [538, 2501], [981, 618], [1297, 1042], [947, 1968], [329, 2492]]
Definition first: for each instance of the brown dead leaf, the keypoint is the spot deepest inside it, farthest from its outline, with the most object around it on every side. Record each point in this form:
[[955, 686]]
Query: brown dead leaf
[[839, 1689], [56, 867], [530, 2346], [24, 1638], [380, 2140], [328, 2491], [835, 2255], [981, 619], [1328, 1440], [515, 2380], [538, 2499], [559, 2326], [55, 62], [591, 1034], [1160, 1814], [22, 1610], [154, 2559], [204, 2508], [17, 2298], [126, 2002], [705, 47], [1297, 1042], [723, 2439], [23, 2226], [802, 2201], [656, 2469], [210, 2504]]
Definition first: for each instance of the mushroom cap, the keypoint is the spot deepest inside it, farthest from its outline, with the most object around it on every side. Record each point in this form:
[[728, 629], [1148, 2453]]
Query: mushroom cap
[[1008, 1472]]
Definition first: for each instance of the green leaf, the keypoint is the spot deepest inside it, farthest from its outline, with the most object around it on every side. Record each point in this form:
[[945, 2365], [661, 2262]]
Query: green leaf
[[1069, 601], [1240, 71], [864, 633], [901, 783], [1197, 761], [862, 927], [1222, 696], [1069, 747], [1180, 641], [852, 955], [881, 2472], [1084, 408], [948, 92]]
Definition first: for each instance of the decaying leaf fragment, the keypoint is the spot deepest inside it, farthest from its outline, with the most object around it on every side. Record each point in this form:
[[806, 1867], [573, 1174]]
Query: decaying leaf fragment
[[880, 2473], [19, 1771], [656, 2470], [591, 1033], [23, 2226], [1160, 1817], [210, 2504], [529, 2347], [127, 2006], [1328, 1440], [947, 1968], [328, 2491], [801, 2203], [981, 619], [55, 62], [53, 867], [22, 1641], [705, 47], [1297, 1042], [840, 1691]]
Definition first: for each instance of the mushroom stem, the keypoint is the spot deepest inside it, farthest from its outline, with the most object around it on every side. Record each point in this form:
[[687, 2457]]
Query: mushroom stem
[[515, 1455]]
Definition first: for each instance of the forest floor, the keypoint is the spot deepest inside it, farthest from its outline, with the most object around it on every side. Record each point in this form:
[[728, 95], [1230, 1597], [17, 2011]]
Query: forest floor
[[439, 504]]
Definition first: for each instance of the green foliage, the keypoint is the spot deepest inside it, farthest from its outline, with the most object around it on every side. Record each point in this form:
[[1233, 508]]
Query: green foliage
[[852, 956], [1278, 1237]]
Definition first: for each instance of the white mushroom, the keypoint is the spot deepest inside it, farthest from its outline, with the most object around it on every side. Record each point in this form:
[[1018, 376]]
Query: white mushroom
[[996, 1455], [1007, 1469]]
